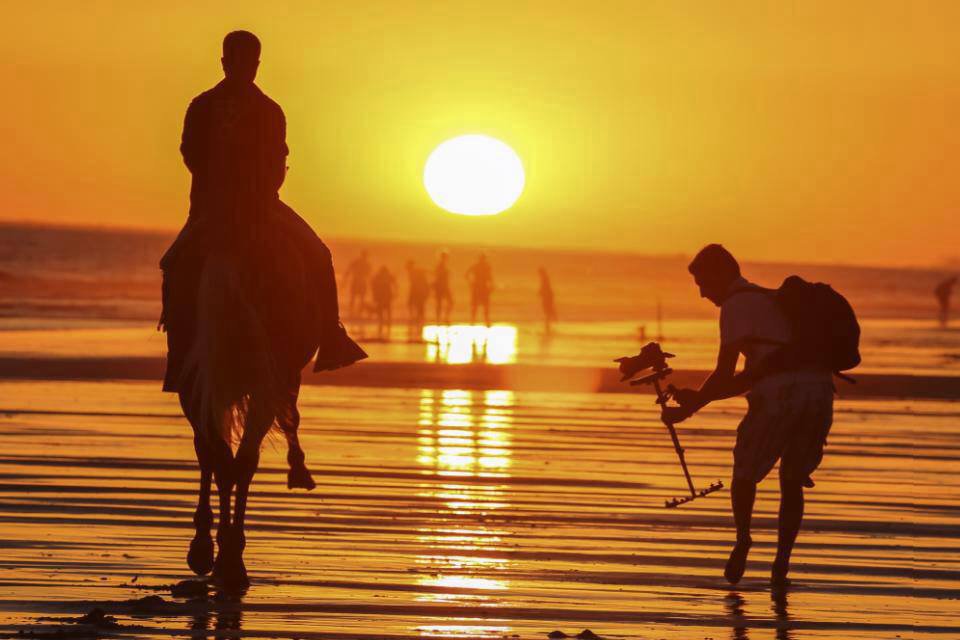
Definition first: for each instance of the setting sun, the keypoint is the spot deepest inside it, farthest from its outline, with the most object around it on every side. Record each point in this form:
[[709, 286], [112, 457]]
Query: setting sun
[[474, 175]]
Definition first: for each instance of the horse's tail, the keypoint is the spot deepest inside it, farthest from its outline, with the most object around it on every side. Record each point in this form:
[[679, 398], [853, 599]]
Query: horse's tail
[[230, 365]]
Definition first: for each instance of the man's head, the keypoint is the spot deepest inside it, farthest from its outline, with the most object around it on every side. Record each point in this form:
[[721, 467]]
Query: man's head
[[241, 56], [714, 269]]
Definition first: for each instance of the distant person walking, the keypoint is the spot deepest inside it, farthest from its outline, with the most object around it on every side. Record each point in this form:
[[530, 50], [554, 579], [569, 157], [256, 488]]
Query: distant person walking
[[356, 277], [943, 292], [442, 294], [419, 290], [383, 286], [547, 302], [480, 278], [790, 404]]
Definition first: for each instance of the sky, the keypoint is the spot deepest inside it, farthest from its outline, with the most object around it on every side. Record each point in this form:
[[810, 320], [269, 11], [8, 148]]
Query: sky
[[809, 131]]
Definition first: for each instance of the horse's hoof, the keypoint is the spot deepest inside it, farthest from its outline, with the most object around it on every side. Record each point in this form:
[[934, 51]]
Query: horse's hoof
[[230, 573], [200, 556], [299, 477]]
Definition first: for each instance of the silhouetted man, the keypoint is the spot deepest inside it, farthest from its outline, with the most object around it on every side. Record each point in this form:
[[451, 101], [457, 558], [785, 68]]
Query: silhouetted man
[[789, 415], [480, 277], [417, 296], [441, 289], [547, 301], [234, 144], [383, 287], [943, 292], [357, 275]]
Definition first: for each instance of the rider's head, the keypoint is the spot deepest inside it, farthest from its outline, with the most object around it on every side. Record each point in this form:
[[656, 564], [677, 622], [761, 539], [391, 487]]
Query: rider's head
[[714, 269], [241, 56]]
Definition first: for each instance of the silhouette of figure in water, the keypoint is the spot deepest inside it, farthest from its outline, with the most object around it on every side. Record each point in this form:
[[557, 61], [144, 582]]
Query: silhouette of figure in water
[[547, 302], [442, 294], [480, 277], [790, 411], [356, 275], [416, 298], [383, 286], [249, 295], [943, 292]]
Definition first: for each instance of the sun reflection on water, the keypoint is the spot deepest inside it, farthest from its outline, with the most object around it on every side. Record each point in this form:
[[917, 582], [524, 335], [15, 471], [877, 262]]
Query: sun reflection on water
[[464, 442], [468, 343]]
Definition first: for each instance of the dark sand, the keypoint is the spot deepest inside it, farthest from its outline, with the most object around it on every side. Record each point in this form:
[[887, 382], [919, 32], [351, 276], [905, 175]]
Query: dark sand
[[471, 514]]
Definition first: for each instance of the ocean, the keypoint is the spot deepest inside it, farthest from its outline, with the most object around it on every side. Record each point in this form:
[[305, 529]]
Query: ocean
[[80, 292]]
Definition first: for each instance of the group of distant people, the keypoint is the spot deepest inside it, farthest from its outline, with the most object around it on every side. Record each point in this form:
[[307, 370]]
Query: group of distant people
[[360, 277]]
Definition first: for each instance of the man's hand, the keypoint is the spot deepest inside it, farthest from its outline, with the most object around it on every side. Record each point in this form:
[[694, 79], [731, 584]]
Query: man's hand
[[673, 415], [689, 398]]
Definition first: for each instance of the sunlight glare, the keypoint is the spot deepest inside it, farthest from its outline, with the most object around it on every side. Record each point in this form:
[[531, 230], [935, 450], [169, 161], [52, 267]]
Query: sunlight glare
[[474, 175]]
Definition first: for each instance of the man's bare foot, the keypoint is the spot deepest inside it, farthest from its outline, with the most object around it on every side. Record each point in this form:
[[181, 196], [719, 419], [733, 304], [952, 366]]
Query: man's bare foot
[[737, 563], [778, 574]]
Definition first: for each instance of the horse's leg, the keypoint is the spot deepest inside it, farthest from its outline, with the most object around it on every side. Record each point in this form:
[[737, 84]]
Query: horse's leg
[[223, 475], [200, 556], [231, 567], [298, 477]]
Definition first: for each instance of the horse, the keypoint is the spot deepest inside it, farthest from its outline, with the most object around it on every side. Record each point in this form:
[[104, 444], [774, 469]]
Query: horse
[[252, 326]]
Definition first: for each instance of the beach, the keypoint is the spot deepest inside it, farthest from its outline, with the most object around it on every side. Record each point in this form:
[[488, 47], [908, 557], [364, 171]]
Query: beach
[[473, 482], [472, 514]]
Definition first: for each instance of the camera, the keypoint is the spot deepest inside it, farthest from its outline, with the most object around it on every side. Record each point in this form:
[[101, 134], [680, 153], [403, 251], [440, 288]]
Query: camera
[[651, 356]]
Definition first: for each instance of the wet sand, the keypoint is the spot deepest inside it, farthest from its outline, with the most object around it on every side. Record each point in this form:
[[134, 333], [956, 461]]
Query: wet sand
[[473, 514]]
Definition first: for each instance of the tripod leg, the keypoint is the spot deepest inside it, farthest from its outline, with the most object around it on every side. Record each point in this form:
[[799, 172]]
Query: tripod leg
[[662, 401], [683, 461]]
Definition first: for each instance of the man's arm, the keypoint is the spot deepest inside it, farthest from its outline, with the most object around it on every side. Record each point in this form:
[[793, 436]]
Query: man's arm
[[191, 142], [277, 153], [723, 382]]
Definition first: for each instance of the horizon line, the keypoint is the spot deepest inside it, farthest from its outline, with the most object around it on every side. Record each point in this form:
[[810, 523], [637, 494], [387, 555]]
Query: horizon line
[[948, 264]]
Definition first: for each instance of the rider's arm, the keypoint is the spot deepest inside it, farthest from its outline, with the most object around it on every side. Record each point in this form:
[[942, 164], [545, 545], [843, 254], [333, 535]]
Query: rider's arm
[[192, 140], [277, 151]]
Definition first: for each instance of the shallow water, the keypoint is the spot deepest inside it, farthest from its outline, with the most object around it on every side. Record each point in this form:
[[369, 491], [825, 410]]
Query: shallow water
[[475, 514], [913, 347]]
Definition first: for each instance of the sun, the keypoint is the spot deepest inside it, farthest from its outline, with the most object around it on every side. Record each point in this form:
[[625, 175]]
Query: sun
[[474, 175]]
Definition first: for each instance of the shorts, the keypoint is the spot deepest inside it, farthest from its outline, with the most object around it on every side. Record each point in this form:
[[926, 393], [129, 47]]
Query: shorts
[[788, 419]]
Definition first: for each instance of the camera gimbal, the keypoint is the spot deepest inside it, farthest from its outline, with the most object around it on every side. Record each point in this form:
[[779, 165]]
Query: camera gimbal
[[655, 358]]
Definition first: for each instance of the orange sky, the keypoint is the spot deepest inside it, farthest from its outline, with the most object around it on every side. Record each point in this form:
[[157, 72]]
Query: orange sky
[[813, 132]]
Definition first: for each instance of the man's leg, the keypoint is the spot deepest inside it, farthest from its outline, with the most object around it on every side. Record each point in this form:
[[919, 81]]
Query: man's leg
[[809, 422], [791, 516], [743, 493]]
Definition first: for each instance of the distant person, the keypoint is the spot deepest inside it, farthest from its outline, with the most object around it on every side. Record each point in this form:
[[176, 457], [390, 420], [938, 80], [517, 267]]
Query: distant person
[[480, 278], [943, 292], [419, 290], [442, 294], [356, 277], [547, 302], [383, 287], [790, 410]]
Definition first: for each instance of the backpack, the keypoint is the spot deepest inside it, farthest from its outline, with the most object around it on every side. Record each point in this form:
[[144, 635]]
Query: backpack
[[826, 334]]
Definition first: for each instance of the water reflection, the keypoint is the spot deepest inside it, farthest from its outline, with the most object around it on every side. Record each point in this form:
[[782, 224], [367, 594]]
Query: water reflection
[[738, 621], [740, 624], [468, 343], [464, 444], [216, 615], [778, 603]]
